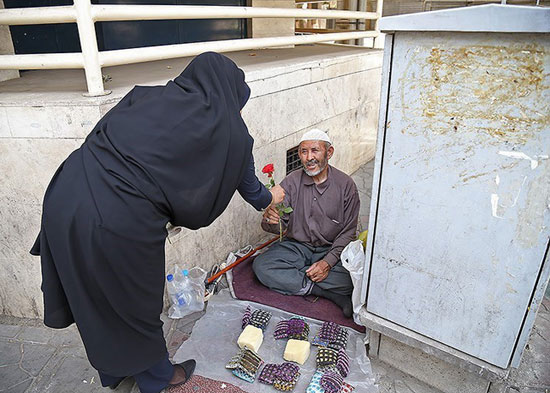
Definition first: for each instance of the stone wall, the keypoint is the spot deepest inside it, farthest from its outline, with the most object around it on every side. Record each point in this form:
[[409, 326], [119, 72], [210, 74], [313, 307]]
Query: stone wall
[[337, 91]]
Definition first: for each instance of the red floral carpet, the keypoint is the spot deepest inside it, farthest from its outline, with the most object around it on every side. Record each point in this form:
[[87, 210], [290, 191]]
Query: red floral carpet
[[199, 384]]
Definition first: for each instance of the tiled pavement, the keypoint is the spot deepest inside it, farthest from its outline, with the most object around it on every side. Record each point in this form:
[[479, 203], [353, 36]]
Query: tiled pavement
[[37, 359], [34, 358]]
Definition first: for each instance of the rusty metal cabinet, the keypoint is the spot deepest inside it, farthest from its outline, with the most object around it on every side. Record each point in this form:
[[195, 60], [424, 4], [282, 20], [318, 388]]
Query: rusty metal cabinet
[[459, 228]]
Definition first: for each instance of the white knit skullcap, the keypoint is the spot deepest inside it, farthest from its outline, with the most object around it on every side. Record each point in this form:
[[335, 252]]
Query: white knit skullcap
[[315, 135]]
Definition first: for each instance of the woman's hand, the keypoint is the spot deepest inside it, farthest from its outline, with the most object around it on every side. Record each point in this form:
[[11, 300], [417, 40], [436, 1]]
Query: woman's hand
[[277, 195]]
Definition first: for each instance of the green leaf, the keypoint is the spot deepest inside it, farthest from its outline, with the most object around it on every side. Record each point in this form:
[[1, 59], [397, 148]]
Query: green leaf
[[287, 210]]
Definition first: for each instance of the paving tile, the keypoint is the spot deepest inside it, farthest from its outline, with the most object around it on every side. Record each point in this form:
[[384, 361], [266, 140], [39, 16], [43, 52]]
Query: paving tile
[[35, 357], [167, 324], [368, 192], [9, 331], [35, 334], [79, 351], [542, 327], [417, 386], [539, 347], [175, 342], [10, 376], [541, 370], [391, 380], [68, 374], [20, 387], [11, 352], [66, 337], [401, 387], [369, 166], [185, 324]]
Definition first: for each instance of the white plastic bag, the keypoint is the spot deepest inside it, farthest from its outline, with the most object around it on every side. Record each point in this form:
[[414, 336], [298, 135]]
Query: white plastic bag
[[232, 257], [353, 259], [186, 291]]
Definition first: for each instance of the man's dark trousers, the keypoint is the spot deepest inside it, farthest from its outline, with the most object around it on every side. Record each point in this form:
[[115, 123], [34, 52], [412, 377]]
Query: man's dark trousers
[[283, 266]]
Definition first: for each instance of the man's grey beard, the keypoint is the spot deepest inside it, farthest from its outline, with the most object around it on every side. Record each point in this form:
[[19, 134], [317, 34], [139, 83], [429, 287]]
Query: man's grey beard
[[322, 165]]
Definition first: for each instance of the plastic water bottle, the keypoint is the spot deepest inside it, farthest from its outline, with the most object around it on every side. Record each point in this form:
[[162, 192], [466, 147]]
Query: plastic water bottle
[[180, 296], [196, 292]]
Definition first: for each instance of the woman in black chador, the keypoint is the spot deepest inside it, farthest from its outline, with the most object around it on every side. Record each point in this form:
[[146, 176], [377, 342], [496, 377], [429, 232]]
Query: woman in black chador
[[174, 153]]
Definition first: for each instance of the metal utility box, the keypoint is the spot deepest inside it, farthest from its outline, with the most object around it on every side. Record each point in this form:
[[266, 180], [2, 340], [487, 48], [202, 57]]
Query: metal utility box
[[459, 230]]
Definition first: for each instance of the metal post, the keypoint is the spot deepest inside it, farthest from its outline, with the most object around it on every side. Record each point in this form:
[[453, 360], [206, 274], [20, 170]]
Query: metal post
[[379, 40], [361, 7], [90, 52], [352, 4]]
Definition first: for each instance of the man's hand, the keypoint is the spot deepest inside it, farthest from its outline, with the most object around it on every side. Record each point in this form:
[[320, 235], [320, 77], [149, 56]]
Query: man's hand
[[277, 194], [271, 216], [318, 271]]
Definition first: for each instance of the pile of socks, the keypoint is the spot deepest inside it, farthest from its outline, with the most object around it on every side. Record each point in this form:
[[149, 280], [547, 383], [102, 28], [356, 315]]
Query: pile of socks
[[245, 365], [333, 363], [316, 387], [294, 328], [282, 376], [331, 335], [257, 318]]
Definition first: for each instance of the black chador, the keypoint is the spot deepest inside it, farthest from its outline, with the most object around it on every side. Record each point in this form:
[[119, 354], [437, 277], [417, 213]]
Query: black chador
[[173, 153]]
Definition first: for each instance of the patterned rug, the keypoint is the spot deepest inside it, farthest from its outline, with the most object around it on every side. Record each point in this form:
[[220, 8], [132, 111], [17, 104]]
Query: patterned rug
[[200, 384]]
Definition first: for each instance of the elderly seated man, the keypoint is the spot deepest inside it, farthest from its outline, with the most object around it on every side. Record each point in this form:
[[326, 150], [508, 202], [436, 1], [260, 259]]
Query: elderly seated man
[[325, 207]]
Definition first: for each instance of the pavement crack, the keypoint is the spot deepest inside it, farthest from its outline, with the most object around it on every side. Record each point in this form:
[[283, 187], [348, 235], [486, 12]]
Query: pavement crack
[[20, 364], [18, 383], [10, 364], [541, 336]]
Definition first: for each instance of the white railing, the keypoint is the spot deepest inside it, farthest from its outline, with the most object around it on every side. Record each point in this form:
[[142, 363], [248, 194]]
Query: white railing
[[92, 60]]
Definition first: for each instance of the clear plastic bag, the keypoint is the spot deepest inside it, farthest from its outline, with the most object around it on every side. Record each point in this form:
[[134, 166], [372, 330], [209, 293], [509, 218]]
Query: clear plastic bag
[[214, 341], [186, 291]]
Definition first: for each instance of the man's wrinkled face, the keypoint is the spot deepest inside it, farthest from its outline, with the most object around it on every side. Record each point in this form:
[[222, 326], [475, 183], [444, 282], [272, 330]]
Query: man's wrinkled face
[[314, 156]]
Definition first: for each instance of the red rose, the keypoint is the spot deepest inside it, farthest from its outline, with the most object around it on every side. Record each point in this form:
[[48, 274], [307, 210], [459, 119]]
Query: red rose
[[268, 169]]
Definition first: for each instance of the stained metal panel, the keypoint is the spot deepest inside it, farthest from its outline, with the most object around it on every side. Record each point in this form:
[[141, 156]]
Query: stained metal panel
[[493, 18], [463, 205]]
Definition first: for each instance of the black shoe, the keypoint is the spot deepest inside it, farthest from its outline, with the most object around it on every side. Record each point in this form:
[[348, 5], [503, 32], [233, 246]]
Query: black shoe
[[189, 367], [342, 301]]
